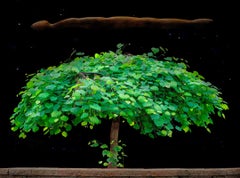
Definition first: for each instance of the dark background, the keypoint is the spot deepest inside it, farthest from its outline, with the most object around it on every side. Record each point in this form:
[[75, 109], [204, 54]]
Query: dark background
[[212, 51]]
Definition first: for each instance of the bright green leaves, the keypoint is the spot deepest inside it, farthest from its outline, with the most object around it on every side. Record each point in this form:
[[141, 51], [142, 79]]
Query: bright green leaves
[[152, 92], [44, 95], [64, 118], [142, 99], [56, 114], [95, 107], [64, 134], [94, 120], [114, 157]]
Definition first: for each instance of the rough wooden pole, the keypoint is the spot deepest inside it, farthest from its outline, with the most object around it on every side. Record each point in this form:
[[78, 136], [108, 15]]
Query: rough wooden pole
[[114, 137]]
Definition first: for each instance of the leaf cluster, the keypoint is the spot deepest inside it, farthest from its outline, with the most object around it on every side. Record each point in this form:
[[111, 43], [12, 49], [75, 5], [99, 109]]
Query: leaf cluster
[[115, 157], [152, 92]]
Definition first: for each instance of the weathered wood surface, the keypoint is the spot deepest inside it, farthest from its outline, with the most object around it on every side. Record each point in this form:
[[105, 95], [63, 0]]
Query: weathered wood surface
[[121, 22], [39, 172]]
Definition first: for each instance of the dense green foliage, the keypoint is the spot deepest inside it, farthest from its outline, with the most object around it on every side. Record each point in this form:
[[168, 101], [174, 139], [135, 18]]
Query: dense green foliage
[[115, 157], [153, 93]]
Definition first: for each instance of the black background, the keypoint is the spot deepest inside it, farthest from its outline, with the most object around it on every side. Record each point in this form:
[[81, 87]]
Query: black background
[[212, 51]]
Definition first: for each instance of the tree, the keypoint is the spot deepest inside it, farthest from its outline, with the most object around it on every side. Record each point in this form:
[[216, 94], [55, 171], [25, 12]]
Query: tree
[[152, 92]]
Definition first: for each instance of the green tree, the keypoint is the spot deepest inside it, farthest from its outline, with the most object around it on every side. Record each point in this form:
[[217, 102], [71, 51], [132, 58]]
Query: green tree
[[152, 92]]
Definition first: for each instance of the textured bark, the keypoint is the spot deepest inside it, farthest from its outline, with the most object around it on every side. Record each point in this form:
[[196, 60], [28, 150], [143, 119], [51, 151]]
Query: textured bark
[[114, 135]]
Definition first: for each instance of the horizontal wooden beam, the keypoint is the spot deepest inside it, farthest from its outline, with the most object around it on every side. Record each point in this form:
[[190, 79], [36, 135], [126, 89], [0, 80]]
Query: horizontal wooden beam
[[121, 22], [119, 172]]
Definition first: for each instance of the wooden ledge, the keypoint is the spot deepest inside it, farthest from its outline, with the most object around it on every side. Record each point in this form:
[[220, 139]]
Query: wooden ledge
[[118, 172]]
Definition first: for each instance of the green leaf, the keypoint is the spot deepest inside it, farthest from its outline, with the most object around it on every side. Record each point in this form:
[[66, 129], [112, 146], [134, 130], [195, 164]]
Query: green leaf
[[167, 113], [187, 94], [186, 129], [68, 127], [84, 115], [154, 88], [150, 54], [208, 130], [14, 129], [51, 87], [132, 123], [120, 45], [76, 95], [22, 135], [124, 96], [66, 108], [53, 98], [94, 120], [117, 148], [64, 118], [49, 105], [155, 50], [75, 110], [105, 153], [56, 113], [157, 120], [147, 104], [44, 95], [224, 106], [164, 132], [38, 102], [64, 134], [178, 128], [84, 123], [94, 87], [94, 145], [104, 146], [126, 113], [95, 107], [142, 99], [150, 111], [30, 84], [105, 164], [55, 131], [35, 128]]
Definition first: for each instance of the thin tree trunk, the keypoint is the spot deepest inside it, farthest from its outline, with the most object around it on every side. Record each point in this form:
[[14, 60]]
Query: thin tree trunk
[[114, 137]]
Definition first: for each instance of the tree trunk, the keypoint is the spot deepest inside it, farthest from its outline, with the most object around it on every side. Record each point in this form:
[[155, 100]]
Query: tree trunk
[[114, 137]]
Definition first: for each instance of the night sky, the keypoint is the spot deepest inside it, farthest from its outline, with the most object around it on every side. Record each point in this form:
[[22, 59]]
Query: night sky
[[210, 51]]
